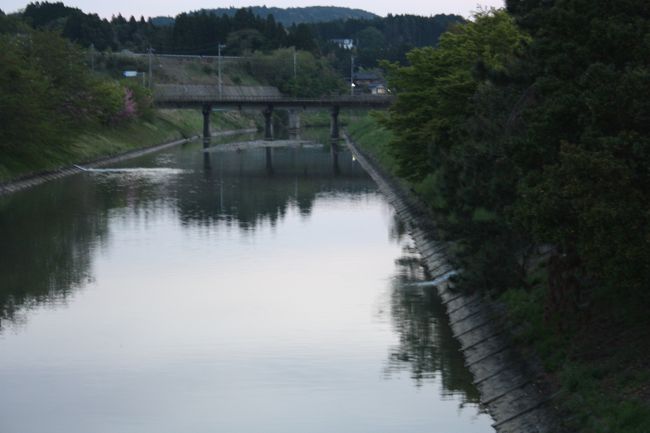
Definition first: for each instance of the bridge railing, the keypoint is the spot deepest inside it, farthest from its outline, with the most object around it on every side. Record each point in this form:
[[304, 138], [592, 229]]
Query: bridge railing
[[258, 95]]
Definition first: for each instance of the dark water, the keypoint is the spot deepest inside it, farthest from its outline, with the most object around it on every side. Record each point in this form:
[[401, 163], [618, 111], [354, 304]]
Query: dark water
[[236, 294]]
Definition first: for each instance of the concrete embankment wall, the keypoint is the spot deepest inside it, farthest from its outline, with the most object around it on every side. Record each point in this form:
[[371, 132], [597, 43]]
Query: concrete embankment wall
[[39, 178], [514, 393]]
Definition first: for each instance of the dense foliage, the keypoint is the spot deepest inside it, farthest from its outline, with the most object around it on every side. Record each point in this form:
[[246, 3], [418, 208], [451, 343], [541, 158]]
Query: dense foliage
[[387, 38], [247, 30], [301, 15], [537, 140], [528, 132], [446, 128], [313, 76], [587, 183], [49, 95]]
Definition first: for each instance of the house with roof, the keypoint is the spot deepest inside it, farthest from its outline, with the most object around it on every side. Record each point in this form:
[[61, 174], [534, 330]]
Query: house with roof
[[369, 82]]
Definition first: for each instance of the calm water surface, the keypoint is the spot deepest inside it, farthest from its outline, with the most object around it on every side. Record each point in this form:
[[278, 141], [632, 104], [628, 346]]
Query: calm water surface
[[249, 292]]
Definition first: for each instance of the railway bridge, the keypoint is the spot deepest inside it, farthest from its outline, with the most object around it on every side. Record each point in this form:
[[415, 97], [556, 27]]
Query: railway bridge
[[209, 97]]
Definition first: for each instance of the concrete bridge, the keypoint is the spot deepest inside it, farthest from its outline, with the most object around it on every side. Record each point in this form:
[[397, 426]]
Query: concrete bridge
[[263, 97]]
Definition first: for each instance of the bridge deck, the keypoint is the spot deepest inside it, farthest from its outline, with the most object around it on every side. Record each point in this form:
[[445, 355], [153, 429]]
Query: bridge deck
[[193, 96]]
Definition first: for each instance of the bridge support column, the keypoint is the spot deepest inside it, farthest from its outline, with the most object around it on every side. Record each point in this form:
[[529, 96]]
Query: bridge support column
[[268, 123], [206, 110], [294, 124], [334, 122]]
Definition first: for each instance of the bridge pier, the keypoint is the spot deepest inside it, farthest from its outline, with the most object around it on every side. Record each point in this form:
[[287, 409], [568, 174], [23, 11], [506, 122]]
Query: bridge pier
[[206, 110], [268, 122], [334, 122], [294, 124]]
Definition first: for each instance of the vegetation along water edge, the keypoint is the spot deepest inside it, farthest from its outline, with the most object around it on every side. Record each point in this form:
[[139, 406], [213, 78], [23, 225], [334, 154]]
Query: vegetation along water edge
[[523, 133], [512, 388]]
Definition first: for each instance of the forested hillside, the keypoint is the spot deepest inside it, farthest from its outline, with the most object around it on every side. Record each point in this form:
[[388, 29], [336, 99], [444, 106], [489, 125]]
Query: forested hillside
[[244, 31], [299, 15], [384, 38]]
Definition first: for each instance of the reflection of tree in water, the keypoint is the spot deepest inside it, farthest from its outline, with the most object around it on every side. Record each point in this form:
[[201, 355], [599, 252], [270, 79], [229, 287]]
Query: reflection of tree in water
[[238, 189], [50, 234], [426, 345], [48, 237]]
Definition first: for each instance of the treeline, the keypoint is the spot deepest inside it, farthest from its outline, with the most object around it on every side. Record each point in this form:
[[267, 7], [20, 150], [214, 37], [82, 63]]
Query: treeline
[[242, 32], [192, 33], [528, 128], [300, 15], [49, 95], [528, 132], [387, 38]]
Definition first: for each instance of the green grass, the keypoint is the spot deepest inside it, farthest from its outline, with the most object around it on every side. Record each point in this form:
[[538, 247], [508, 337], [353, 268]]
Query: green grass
[[166, 125], [321, 118], [605, 391], [373, 138]]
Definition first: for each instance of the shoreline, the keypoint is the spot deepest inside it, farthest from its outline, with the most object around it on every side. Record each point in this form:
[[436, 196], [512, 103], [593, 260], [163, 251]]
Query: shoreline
[[513, 390], [34, 179]]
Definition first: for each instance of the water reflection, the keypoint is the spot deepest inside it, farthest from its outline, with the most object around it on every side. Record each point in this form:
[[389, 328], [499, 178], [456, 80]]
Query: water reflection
[[185, 307], [253, 187], [427, 348], [51, 233], [49, 238]]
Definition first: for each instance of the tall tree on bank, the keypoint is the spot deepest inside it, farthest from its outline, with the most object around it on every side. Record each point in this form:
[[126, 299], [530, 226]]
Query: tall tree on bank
[[446, 147], [587, 143], [540, 140]]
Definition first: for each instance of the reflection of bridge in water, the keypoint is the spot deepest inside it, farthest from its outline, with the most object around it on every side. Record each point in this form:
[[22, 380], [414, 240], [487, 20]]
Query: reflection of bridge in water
[[270, 147], [264, 97]]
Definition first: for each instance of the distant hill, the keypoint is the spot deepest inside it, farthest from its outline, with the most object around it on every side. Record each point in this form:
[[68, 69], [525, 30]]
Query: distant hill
[[288, 16], [162, 21]]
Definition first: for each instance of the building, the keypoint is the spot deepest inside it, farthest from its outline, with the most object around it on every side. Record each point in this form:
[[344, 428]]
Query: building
[[378, 89], [369, 82], [346, 44]]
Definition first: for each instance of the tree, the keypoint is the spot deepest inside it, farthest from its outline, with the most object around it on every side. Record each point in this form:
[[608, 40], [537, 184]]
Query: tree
[[371, 46], [586, 147], [451, 155], [300, 36]]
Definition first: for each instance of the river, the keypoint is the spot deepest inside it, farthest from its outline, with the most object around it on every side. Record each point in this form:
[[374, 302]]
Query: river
[[247, 291]]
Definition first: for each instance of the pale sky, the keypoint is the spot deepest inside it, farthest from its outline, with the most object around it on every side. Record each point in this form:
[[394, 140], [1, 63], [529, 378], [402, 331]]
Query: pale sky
[[173, 7]]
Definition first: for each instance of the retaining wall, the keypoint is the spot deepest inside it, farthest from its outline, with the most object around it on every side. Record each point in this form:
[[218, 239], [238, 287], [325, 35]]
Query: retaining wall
[[513, 391]]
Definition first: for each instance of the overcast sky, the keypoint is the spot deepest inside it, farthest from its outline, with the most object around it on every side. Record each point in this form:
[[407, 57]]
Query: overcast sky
[[172, 7]]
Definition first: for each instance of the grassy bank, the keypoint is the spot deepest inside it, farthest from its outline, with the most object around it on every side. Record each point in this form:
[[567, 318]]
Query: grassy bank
[[164, 126], [373, 138], [321, 118], [599, 363]]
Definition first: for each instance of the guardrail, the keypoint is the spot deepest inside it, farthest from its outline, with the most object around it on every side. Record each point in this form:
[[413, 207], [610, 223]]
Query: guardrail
[[264, 100], [187, 95], [270, 99]]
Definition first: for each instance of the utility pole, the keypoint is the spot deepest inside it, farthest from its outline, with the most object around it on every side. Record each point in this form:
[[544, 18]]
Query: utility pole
[[295, 63], [150, 60], [219, 47], [351, 75]]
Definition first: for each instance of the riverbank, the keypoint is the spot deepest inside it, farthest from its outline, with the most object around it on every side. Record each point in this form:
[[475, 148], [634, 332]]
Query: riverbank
[[109, 145], [598, 374], [513, 390]]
